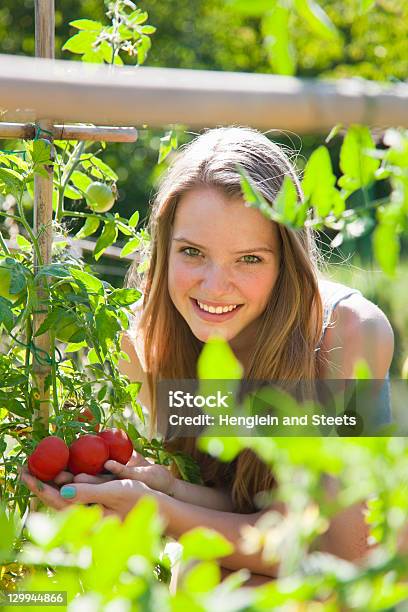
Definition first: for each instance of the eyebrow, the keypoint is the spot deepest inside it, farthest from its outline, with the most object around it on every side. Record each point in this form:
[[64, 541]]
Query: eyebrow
[[200, 246]]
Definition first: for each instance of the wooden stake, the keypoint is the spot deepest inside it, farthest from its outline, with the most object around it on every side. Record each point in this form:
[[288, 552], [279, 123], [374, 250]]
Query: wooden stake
[[44, 47], [71, 132]]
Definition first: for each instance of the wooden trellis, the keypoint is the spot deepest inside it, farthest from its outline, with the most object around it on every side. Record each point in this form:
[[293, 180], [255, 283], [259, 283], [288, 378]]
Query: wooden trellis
[[43, 186], [80, 92]]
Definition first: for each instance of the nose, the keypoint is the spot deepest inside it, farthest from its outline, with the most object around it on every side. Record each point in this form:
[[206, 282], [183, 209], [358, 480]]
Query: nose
[[216, 282]]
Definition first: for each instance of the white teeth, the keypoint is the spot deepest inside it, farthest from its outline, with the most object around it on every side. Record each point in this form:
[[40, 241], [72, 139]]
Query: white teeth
[[218, 309]]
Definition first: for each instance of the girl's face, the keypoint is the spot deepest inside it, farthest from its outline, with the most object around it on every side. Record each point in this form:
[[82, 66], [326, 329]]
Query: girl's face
[[224, 262]]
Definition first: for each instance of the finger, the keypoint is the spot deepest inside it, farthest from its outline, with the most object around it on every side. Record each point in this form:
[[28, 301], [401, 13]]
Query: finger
[[63, 478], [120, 470], [84, 493], [137, 460], [87, 478], [48, 495]]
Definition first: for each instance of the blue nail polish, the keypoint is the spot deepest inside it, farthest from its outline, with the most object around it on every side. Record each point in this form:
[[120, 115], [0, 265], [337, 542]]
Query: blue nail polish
[[68, 492]]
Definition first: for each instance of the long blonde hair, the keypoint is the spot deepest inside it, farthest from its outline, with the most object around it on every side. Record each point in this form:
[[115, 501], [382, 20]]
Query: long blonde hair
[[291, 325]]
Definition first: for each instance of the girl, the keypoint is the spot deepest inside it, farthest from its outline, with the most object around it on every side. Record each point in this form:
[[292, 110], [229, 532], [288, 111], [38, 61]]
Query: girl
[[219, 267]]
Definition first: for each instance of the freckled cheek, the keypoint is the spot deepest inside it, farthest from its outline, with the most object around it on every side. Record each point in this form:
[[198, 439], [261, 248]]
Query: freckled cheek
[[257, 289], [181, 279]]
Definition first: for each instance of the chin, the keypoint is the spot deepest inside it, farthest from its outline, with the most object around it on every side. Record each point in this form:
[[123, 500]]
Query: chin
[[204, 334]]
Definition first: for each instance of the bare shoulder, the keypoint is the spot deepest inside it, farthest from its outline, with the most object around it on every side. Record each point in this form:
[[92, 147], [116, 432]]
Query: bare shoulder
[[358, 330]]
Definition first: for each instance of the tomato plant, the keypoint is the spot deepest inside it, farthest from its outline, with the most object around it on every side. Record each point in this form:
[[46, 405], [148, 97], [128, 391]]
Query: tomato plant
[[99, 197]]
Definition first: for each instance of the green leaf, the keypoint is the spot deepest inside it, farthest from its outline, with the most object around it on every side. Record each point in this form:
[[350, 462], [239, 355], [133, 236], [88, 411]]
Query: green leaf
[[95, 164], [204, 544], [252, 8], [134, 219], [319, 181], [81, 42], [89, 282], [148, 29], [145, 542], [8, 532], [56, 270], [72, 193], [124, 297], [49, 321], [333, 132], [277, 40], [138, 17], [130, 247], [13, 405], [285, 202], [107, 326], [254, 198], [108, 237], [202, 578], [6, 314], [188, 468], [317, 19], [168, 143], [386, 248], [80, 180], [361, 370], [89, 227], [143, 49], [41, 152], [24, 244], [10, 182], [358, 167], [218, 362], [86, 24]]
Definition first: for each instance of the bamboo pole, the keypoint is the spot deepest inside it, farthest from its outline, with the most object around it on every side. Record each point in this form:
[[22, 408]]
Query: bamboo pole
[[78, 92], [44, 47], [71, 132]]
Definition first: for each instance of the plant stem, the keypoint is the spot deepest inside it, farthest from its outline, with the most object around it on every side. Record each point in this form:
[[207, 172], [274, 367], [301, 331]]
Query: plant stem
[[74, 159], [4, 245], [27, 227]]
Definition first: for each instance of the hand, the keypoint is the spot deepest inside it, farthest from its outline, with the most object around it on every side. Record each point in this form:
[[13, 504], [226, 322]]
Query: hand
[[156, 477], [48, 494], [66, 477], [117, 497]]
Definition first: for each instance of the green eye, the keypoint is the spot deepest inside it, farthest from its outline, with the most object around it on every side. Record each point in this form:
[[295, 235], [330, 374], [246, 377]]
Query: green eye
[[191, 251], [249, 259]]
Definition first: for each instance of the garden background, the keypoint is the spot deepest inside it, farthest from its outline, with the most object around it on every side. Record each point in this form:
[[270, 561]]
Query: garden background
[[232, 35], [366, 39]]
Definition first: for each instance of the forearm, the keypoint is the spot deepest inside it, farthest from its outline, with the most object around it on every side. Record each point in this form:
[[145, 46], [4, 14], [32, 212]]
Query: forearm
[[347, 535], [181, 517], [206, 497]]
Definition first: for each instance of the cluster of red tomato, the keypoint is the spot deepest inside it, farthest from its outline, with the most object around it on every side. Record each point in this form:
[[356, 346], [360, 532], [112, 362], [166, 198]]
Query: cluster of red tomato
[[87, 454]]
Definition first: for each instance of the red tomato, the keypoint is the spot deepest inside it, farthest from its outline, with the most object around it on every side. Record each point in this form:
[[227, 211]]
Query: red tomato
[[49, 458], [86, 416], [120, 445], [88, 454]]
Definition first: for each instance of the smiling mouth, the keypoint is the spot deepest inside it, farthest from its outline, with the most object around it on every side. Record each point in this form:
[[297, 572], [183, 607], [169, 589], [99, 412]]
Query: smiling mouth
[[219, 310]]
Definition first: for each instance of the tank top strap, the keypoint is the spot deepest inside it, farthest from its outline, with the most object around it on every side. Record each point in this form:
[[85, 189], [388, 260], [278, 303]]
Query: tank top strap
[[332, 293]]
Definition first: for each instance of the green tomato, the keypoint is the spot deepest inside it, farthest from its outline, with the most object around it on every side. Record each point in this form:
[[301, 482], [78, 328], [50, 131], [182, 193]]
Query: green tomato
[[99, 197], [68, 330], [5, 281]]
